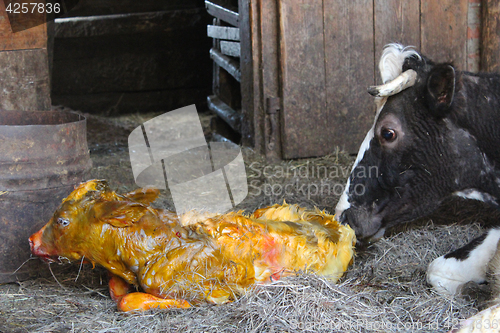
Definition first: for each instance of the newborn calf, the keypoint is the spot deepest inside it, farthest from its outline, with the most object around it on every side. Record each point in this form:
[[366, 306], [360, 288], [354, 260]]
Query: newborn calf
[[201, 257]]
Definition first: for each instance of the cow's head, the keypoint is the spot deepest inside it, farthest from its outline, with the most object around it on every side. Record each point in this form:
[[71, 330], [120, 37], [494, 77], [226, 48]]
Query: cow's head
[[414, 155]]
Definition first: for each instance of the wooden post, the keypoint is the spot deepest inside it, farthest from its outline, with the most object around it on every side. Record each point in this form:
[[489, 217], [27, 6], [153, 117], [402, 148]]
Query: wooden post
[[24, 67], [251, 108], [490, 48]]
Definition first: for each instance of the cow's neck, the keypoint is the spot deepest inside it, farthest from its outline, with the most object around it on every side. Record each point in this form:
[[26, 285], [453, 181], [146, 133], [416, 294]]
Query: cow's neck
[[473, 124]]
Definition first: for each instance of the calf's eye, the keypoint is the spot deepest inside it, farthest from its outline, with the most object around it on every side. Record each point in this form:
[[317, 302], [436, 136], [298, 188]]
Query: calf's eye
[[63, 222], [388, 134]]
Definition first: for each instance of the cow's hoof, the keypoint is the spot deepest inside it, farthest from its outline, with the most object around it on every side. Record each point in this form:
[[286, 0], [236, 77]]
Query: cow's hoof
[[479, 293]]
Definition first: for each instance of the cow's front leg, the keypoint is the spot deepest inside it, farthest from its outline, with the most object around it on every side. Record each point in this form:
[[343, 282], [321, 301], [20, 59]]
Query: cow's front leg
[[449, 272]]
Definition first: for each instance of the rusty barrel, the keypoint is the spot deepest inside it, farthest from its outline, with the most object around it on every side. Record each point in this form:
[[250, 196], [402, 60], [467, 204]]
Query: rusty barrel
[[43, 155]]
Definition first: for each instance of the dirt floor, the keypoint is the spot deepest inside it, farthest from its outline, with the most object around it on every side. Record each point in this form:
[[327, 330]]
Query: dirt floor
[[383, 291]]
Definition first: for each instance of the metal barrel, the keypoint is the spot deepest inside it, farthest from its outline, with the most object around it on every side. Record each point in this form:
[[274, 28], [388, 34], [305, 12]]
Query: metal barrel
[[43, 155]]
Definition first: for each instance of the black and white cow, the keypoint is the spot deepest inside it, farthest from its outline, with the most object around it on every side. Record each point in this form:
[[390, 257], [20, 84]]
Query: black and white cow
[[436, 133]]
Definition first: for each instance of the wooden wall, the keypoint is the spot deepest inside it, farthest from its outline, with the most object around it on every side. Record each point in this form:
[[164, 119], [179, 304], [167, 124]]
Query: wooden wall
[[24, 65], [132, 56], [328, 55]]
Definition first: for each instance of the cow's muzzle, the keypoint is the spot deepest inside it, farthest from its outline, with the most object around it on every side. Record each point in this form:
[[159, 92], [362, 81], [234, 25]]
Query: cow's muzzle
[[368, 227]]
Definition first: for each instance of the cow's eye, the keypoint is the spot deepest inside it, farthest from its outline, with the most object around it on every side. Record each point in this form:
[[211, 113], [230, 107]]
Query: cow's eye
[[63, 222], [388, 134]]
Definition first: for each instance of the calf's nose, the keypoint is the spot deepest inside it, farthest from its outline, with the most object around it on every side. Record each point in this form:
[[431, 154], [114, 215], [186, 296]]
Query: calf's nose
[[36, 244]]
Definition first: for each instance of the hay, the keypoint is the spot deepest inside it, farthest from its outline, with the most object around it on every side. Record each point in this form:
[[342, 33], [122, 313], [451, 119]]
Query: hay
[[384, 290]]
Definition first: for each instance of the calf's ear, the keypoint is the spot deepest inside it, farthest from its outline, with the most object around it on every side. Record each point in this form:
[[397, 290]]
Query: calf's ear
[[440, 89], [119, 213], [145, 195]]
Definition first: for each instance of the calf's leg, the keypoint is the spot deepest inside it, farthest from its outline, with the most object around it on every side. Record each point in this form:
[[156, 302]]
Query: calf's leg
[[141, 302], [119, 290], [118, 287], [469, 263]]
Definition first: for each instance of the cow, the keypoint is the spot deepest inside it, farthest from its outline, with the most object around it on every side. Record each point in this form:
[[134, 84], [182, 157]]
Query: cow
[[436, 134]]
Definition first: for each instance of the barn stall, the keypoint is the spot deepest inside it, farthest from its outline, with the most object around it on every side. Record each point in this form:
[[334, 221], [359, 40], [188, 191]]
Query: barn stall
[[287, 81]]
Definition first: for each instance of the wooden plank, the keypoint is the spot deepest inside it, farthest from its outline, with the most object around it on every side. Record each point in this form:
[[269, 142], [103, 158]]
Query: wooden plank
[[474, 36], [25, 80], [33, 38], [350, 70], [111, 7], [230, 48], [215, 67], [228, 33], [444, 31], [230, 65], [251, 97], [224, 111], [490, 55], [225, 14], [305, 132], [123, 24], [396, 21], [270, 77]]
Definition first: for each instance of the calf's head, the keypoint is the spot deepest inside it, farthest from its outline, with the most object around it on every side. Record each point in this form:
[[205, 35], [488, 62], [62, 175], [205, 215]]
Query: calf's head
[[414, 155], [76, 228]]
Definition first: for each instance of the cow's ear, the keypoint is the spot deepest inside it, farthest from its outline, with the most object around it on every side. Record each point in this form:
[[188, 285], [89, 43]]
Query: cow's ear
[[145, 195], [119, 213], [441, 89]]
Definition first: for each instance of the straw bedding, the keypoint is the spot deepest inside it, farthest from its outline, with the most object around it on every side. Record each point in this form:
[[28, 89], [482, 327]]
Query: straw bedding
[[384, 290]]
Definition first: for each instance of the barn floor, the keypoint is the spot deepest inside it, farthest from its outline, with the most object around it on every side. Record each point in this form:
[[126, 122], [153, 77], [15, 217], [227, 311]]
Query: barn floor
[[384, 291]]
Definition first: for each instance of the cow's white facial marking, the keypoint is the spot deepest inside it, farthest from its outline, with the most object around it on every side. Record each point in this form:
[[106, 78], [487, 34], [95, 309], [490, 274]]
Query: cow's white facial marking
[[343, 202], [447, 273]]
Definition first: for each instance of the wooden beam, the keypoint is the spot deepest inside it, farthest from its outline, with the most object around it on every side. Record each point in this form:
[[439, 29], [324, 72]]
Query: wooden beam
[[229, 64], [490, 43], [270, 77], [122, 24], [226, 113], [225, 14], [232, 49], [228, 33], [252, 104]]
